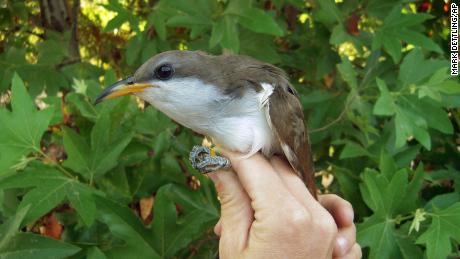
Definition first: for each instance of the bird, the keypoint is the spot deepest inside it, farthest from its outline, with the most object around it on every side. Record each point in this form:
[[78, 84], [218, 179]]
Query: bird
[[240, 103]]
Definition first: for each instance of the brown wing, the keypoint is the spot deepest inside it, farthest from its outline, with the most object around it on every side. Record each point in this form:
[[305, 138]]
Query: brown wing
[[290, 129]]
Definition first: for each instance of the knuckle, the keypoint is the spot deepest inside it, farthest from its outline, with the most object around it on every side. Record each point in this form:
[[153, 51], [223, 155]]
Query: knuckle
[[217, 229], [353, 229], [295, 221], [326, 225], [299, 218]]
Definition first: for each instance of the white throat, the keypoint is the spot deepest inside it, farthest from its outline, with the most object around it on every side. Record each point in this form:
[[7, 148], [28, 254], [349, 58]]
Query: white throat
[[237, 124]]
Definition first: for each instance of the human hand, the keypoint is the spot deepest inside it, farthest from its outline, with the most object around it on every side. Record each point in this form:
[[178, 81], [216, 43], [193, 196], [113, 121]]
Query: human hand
[[345, 246], [267, 212]]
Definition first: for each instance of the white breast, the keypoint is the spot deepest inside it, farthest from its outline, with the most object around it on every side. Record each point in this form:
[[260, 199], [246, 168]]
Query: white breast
[[237, 124], [243, 126]]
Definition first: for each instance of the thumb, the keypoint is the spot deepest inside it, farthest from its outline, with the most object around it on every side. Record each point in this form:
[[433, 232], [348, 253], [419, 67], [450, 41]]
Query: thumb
[[236, 211]]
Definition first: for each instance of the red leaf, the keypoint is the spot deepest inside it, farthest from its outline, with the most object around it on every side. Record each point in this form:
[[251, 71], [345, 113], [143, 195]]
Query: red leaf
[[51, 226]]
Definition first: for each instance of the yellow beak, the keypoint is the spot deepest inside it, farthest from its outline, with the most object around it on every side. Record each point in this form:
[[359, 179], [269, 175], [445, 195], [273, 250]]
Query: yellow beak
[[121, 88]]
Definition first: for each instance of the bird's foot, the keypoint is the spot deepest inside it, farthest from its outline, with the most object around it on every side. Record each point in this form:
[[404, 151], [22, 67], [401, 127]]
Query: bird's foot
[[206, 161]]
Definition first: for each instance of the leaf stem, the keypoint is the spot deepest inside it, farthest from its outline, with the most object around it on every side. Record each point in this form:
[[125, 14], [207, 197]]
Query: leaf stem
[[62, 169], [339, 118], [398, 219]]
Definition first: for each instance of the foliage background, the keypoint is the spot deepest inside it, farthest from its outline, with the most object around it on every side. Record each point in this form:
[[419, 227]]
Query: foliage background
[[113, 180]]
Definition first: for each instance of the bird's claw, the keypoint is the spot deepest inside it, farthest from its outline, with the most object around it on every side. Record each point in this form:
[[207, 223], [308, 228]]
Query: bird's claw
[[203, 160]]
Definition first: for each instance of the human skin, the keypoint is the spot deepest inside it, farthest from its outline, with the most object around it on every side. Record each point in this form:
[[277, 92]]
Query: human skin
[[267, 212]]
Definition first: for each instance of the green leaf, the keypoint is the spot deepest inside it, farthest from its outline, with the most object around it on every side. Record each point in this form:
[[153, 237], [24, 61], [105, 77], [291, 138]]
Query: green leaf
[[414, 68], [410, 201], [149, 50], [348, 73], [9, 228], [102, 156], [387, 165], [158, 20], [81, 199], [95, 253], [165, 221], [397, 20], [378, 233], [352, 149], [435, 116], [193, 200], [123, 223], [12, 58], [51, 188], [339, 35], [328, 12], [391, 44], [172, 233], [418, 39], [123, 15], [133, 49], [20, 136], [407, 247], [51, 52], [78, 151], [27, 245], [153, 122], [385, 104], [259, 21], [444, 226], [384, 195], [409, 124], [217, 33], [115, 23], [259, 46], [449, 87], [15, 244], [187, 21], [439, 83], [44, 198], [230, 39], [398, 27]]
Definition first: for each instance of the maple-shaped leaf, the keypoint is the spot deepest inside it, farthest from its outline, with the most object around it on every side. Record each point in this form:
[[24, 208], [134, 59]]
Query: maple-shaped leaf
[[398, 27], [444, 226], [169, 232], [15, 244], [22, 127], [378, 233], [173, 233], [388, 194], [124, 224], [95, 159], [51, 188]]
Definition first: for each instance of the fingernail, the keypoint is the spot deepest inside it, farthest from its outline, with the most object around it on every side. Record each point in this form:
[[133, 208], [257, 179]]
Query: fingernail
[[342, 243]]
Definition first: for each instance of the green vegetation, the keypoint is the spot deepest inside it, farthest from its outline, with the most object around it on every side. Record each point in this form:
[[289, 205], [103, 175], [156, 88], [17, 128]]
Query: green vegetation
[[374, 81]]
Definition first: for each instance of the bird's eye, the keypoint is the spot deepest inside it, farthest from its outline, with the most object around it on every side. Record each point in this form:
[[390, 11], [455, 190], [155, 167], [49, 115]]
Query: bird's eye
[[164, 72], [291, 91]]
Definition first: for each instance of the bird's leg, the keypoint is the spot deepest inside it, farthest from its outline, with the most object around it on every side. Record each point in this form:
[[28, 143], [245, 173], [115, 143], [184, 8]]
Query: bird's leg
[[205, 160]]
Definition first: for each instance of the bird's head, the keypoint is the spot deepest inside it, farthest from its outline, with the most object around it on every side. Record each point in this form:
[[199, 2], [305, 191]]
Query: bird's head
[[185, 85], [160, 72]]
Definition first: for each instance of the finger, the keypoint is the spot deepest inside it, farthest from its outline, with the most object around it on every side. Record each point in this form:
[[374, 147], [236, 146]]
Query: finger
[[260, 180], [293, 183], [218, 228], [354, 253], [236, 212], [345, 240], [340, 209]]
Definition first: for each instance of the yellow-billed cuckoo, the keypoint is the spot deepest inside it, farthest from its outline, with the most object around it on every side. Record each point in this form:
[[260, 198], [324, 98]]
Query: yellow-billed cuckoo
[[242, 104]]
